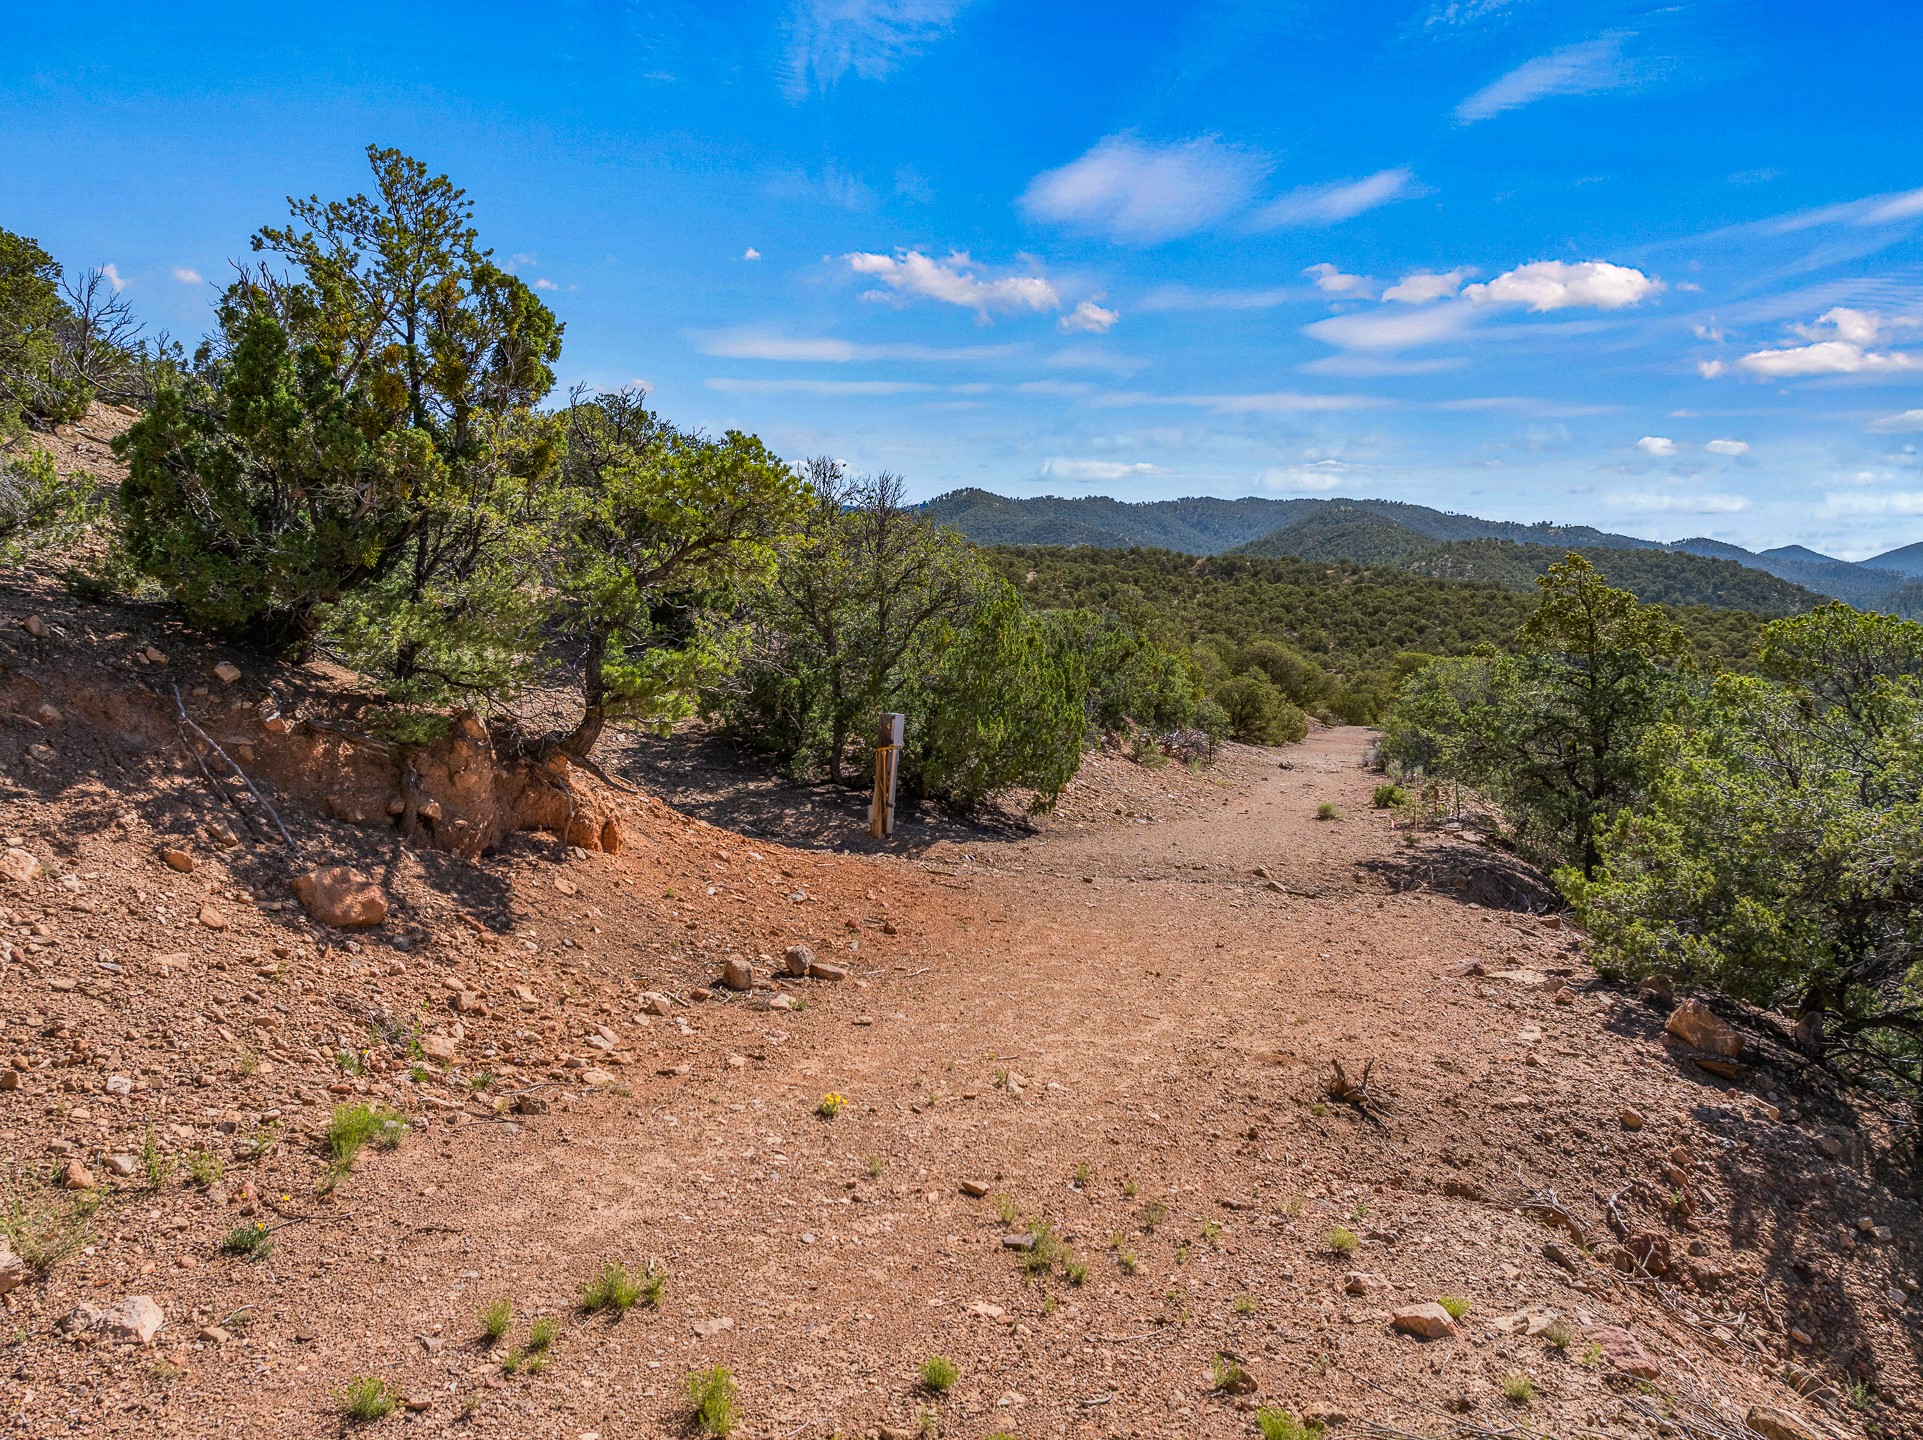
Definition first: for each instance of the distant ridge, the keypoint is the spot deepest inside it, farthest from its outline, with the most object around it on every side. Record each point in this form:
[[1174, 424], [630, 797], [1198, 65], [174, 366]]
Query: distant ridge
[[1393, 532]]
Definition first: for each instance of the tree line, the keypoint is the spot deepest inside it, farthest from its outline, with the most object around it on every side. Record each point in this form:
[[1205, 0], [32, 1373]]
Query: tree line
[[365, 459], [1760, 833]]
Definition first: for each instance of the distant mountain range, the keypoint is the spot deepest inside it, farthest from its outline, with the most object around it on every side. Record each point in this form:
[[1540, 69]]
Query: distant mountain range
[[1782, 581]]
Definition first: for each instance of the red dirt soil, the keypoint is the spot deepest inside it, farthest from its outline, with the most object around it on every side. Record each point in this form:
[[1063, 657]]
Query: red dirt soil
[[1119, 1026]]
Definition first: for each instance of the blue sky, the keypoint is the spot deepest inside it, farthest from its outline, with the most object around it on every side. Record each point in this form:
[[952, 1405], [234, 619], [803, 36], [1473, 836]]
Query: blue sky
[[1651, 267]]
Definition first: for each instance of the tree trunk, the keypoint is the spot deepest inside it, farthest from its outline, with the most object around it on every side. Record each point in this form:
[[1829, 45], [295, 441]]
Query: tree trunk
[[594, 695]]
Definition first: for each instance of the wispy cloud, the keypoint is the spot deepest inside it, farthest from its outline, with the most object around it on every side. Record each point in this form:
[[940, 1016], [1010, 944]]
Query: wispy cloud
[[1183, 297], [827, 39], [1274, 402], [1425, 287], [1585, 69], [1341, 200], [1083, 472], [114, 278], [1679, 503], [754, 343], [830, 185], [1316, 476], [1140, 193], [1904, 422], [1330, 280], [1400, 328], [1659, 446], [187, 276], [729, 385], [1859, 502], [954, 281]]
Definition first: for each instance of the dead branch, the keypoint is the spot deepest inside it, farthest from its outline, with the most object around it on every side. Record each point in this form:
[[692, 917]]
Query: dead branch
[[186, 720]]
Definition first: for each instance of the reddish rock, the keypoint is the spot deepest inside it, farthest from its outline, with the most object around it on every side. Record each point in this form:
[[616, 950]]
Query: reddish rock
[[1428, 1320], [1695, 1024], [179, 860], [342, 897], [1623, 1350]]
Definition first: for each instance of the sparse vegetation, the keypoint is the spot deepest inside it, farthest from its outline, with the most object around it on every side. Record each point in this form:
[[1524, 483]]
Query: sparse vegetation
[[1246, 1305], [614, 1287], [831, 1105], [1327, 811], [1278, 1424], [44, 1229], [1454, 1304], [712, 1396], [354, 1127], [1518, 1388], [1229, 1377], [367, 1397], [1559, 1334], [938, 1374], [1153, 1214], [205, 1168], [252, 1240], [497, 1316], [1389, 797], [542, 1334], [1342, 1241]]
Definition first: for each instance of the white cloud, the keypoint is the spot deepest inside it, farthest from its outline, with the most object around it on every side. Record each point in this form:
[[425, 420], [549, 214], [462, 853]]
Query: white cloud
[[1327, 204], [1906, 206], [1083, 471], [1331, 281], [1316, 475], [751, 253], [1889, 502], [1182, 297], [1710, 369], [187, 276], [1276, 402], [1584, 69], [1545, 285], [1392, 329], [953, 281], [1421, 287], [545, 284], [1661, 446], [1090, 318], [1142, 193], [1685, 504], [1858, 327], [1379, 365], [1727, 447], [831, 186], [1839, 345], [728, 385], [829, 38], [1901, 423], [751, 343], [113, 278], [1096, 357]]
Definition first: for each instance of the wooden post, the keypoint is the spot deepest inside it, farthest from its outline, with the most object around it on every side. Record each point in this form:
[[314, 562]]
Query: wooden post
[[881, 811]]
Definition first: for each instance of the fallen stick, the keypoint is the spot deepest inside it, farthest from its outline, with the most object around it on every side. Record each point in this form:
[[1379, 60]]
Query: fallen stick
[[181, 706]]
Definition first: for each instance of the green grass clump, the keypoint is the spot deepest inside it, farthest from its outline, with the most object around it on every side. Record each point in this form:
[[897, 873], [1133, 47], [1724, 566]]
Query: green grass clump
[[711, 1394], [1229, 1377], [1518, 1388], [1327, 811], [1246, 1305], [252, 1240], [617, 1288], [206, 1168], [1454, 1304], [1388, 797], [1558, 1334], [354, 1127], [1278, 1424], [542, 1334], [1342, 1241], [938, 1373], [367, 1397], [496, 1316]]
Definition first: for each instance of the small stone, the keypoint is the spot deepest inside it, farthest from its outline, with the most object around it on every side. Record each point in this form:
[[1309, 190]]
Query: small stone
[[418, 1402], [136, 1318], [1632, 1118], [19, 866], [76, 1176], [823, 971], [438, 1047], [566, 886], [782, 1002], [1468, 968], [798, 959], [1361, 1282], [1774, 1424], [1623, 1350], [213, 1335], [1694, 1023], [738, 974], [1530, 1320], [974, 1188], [227, 672], [469, 1002], [176, 859], [596, 1076], [530, 1105], [1656, 990], [705, 1328], [13, 1270], [1865, 1223], [1428, 1320], [655, 1003], [35, 627], [213, 919], [340, 896], [155, 655]]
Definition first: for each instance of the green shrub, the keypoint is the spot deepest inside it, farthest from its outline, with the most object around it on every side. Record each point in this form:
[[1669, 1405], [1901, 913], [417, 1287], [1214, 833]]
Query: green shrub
[[356, 1126], [367, 1397], [938, 1373], [1259, 713], [1276, 1423], [1342, 1241], [711, 1394], [497, 1316], [1389, 797]]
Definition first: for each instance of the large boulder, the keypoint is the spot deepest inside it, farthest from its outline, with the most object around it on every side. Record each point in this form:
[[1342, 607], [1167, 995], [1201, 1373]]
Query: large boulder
[[1695, 1024], [342, 897]]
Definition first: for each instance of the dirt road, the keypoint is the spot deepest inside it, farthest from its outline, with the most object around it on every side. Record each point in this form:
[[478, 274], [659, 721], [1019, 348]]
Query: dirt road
[[1121, 1034]]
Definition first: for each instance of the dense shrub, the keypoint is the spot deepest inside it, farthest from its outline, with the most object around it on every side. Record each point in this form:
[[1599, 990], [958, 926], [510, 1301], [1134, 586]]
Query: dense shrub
[[36, 383], [1259, 713]]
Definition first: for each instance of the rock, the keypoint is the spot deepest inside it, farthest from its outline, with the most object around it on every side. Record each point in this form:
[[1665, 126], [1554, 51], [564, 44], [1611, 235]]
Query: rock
[[438, 1047], [76, 1176], [135, 1319], [1468, 968], [1557, 1253], [155, 655], [705, 1328], [13, 1270], [1530, 1320], [1622, 1350], [419, 1401], [566, 886], [213, 1334], [342, 897], [798, 959], [1656, 990], [19, 866], [1428, 1320], [1777, 1424], [176, 859], [974, 1188], [593, 1075], [122, 1165], [1632, 1118], [213, 919], [738, 974], [1695, 1024], [822, 971], [530, 1105], [227, 672], [1361, 1282], [782, 1002], [1722, 1069], [655, 1003], [35, 627], [468, 1002]]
